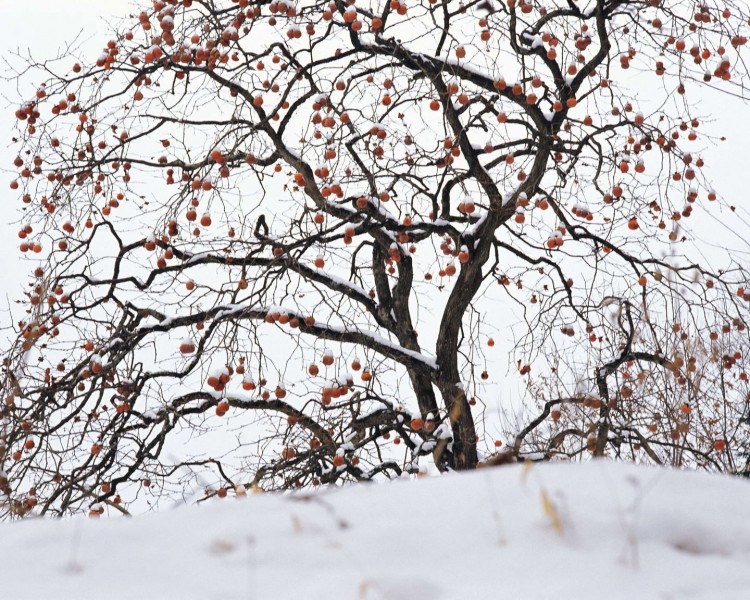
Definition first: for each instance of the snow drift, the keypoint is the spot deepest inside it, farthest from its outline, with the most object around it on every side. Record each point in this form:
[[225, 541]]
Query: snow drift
[[563, 531]]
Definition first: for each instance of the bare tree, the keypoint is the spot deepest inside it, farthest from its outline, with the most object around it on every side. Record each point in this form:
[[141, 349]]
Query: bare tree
[[293, 226]]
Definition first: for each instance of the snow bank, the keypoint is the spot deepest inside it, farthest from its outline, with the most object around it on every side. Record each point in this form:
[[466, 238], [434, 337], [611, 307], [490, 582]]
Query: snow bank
[[554, 531]]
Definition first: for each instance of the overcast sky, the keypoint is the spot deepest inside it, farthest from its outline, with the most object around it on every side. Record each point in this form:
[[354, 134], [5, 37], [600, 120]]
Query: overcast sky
[[43, 27]]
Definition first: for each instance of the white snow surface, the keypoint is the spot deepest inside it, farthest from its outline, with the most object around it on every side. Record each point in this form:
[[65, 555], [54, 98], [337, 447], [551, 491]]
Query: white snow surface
[[609, 530]]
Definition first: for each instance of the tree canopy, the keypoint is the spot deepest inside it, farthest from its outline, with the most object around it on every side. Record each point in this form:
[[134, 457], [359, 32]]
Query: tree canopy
[[306, 230]]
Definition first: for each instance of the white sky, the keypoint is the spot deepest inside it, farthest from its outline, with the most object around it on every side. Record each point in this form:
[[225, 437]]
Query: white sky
[[42, 27]]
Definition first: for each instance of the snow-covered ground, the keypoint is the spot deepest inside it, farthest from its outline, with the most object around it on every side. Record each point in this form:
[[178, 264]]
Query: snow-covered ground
[[565, 531]]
